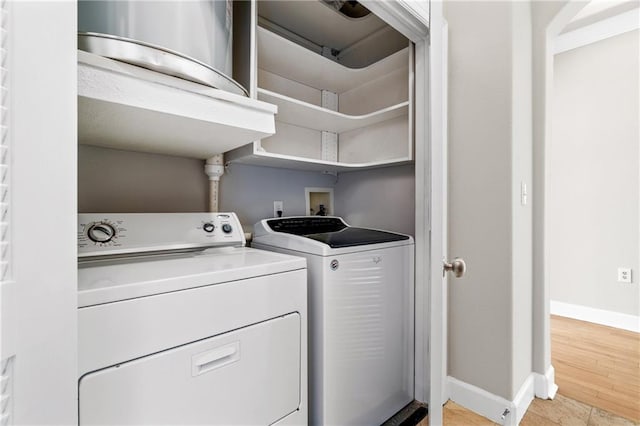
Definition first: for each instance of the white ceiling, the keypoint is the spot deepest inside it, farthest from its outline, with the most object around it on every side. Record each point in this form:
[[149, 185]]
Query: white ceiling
[[319, 23], [598, 10], [355, 42]]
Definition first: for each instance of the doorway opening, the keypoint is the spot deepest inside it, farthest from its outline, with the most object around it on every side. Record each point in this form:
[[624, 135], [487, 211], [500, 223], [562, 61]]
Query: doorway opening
[[592, 208]]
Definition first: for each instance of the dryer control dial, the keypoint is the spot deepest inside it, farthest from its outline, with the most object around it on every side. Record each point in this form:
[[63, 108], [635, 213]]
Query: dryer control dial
[[101, 232]]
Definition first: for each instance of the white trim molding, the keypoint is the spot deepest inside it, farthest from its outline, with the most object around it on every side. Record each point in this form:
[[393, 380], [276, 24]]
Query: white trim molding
[[409, 17], [523, 399], [493, 407], [610, 27], [597, 316], [545, 384]]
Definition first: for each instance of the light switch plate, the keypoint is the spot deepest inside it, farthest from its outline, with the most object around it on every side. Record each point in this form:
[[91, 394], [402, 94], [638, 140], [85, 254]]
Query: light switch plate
[[523, 193], [624, 275]]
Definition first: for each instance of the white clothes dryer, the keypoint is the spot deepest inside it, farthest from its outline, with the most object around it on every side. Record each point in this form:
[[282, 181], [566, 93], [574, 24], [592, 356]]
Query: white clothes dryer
[[360, 315], [179, 323]]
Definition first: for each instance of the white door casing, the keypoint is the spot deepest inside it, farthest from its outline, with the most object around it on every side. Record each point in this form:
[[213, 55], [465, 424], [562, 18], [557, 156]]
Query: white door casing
[[430, 173]]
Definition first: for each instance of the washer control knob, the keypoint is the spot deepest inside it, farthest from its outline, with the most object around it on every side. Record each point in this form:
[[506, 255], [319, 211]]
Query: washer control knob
[[101, 232], [226, 228], [208, 227]]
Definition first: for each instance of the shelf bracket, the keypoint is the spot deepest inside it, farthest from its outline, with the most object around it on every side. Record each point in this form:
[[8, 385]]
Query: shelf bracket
[[329, 146]]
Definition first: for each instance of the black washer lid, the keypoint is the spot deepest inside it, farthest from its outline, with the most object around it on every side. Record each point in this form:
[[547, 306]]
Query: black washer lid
[[307, 225], [333, 231], [350, 236]]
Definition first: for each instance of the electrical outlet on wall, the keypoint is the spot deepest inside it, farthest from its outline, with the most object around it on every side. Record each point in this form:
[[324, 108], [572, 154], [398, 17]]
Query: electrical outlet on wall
[[624, 275], [278, 208]]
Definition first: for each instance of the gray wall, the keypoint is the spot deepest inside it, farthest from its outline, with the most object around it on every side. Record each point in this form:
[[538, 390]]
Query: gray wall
[[250, 191], [120, 181], [479, 182], [490, 326], [110, 181], [595, 175], [380, 198], [521, 214]]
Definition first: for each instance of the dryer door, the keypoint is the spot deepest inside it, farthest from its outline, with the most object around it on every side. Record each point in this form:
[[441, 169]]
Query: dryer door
[[247, 376]]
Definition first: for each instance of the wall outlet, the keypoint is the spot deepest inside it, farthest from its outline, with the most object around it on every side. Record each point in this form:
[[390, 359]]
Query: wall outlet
[[624, 275], [278, 206]]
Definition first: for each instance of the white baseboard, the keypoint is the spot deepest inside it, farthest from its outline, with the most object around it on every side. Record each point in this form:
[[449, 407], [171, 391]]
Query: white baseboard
[[523, 399], [597, 316], [545, 384], [491, 406]]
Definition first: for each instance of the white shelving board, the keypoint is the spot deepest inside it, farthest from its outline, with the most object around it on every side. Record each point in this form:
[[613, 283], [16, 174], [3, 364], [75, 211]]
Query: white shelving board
[[126, 107], [294, 62], [291, 62], [303, 114], [251, 154]]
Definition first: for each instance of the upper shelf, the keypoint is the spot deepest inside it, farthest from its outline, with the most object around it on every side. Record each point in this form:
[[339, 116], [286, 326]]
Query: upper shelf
[[126, 107], [303, 114], [290, 60], [248, 154]]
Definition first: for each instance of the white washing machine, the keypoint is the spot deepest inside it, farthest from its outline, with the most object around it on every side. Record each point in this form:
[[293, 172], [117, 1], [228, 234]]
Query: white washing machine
[[360, 315], [179, 323]]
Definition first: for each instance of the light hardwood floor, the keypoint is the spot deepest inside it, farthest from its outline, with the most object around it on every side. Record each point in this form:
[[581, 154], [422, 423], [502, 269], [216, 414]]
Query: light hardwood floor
[[597, 371], [561, 411], [597, 365]]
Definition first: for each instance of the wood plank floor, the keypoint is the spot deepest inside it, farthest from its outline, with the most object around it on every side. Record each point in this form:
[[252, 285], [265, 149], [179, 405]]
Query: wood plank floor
[[598, 374], [561, 411], [597, 365]]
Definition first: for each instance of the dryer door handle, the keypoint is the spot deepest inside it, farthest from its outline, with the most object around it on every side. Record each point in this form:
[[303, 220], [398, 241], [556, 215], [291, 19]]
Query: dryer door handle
[[215, 358]]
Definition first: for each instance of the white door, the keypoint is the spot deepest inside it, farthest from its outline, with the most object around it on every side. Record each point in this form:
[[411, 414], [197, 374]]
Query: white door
[[38, 287], [438, 214]]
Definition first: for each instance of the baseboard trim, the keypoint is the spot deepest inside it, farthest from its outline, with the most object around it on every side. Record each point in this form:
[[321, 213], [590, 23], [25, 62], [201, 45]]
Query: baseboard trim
[[545, 384], [523, 399], [597, 316], [491, 406]]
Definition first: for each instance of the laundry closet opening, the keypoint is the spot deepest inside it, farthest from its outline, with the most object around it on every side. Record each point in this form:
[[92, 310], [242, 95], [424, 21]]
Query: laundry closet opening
[[344, 91], [345, 95]]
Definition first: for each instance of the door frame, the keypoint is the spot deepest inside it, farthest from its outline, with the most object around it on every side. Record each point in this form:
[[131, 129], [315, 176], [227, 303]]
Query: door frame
[[425, 29], [545, 386]]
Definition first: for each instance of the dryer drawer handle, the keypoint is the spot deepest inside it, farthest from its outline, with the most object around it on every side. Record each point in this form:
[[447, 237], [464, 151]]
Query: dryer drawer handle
[[215, 358]]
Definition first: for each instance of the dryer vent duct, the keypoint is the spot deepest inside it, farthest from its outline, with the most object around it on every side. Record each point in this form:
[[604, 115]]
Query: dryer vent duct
[[350, 9]]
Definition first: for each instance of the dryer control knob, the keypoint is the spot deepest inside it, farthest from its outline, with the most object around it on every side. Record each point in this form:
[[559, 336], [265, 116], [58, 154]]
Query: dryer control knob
[[208, 227], [101, 232], [226, 228]]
